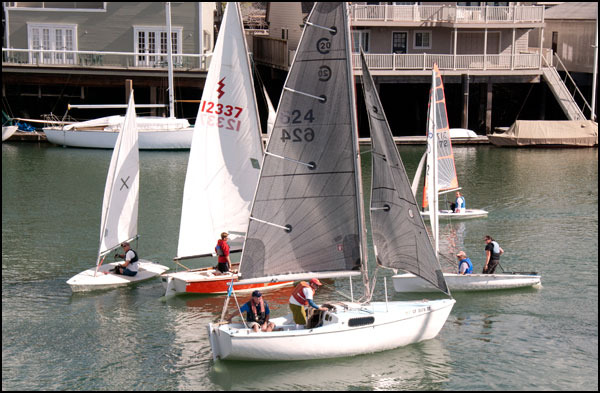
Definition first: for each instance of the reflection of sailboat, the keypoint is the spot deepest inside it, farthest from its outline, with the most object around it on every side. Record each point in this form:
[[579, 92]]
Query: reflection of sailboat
[[224, 163], [445, 175], [119, 213], [154, 132], [409, 282], [307, 218]]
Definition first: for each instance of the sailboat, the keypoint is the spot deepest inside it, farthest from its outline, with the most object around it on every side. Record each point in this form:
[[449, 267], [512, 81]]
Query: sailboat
[[8, 131], [446, 175], [119, 214], [308, 217], [155, 133], [436, 177], [224, 164]]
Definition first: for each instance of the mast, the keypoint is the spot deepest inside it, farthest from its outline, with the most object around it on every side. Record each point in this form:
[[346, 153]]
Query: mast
[[355, 145], [432, 163], [170, 62]]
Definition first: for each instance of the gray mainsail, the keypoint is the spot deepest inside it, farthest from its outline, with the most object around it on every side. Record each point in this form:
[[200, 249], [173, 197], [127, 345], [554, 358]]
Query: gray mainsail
[[399, 235], [307, 210]]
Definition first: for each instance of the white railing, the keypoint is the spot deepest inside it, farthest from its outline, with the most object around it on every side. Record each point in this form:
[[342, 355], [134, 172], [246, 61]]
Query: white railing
[[401, 62], [445, 13], [92, 59]]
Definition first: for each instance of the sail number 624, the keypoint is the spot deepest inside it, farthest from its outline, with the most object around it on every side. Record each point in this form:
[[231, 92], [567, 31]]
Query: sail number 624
[[298, 135]]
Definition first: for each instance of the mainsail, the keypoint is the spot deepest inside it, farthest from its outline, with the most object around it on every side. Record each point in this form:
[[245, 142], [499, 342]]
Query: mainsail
[[121, 192], [307, 212], [399, 235], [226, 150], [447, 179]]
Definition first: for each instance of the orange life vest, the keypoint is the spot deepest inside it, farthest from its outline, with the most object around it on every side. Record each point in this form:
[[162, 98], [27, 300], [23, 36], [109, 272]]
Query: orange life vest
[[298, 293]]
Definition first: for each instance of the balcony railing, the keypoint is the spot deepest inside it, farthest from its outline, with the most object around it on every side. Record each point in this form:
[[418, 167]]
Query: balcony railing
[[403, 62], [95, 59], [445, 13]]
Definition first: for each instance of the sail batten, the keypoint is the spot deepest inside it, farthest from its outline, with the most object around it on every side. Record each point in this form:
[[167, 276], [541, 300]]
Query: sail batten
[[399, 235]]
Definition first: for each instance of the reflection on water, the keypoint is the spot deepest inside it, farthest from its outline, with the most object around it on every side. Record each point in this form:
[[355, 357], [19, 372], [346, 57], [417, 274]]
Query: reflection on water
[[543, 206]]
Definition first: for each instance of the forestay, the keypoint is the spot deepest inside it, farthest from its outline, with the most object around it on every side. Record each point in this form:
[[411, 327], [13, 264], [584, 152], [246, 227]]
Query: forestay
[[121, 192], [307, 211], [226, 150], [446, 175], [399, 235]]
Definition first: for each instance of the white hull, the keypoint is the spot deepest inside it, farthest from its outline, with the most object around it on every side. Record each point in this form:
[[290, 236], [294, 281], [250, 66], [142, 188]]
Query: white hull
[[89, 280], [100, 139], [468, 282], [405, 323], [8, 131], [448, 214]]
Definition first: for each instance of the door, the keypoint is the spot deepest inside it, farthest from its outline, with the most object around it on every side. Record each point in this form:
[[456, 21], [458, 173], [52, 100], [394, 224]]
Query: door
[[399, 42]]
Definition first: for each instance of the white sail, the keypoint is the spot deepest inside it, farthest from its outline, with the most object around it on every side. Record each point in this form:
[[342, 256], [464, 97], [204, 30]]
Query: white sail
[[226, 150], [120, 204]]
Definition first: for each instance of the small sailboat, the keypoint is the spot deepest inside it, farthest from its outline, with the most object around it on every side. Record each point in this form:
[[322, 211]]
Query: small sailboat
[[308, 217], [8, 131], [223, 167], [446, 176], [119, 214], [438, 178]]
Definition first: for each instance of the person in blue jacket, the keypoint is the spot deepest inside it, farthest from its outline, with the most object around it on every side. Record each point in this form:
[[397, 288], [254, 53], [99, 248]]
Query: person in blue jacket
[[465, 266]]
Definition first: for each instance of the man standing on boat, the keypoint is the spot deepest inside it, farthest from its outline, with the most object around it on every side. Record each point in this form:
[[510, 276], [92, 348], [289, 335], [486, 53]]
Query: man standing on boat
[[492, 255], [303, 296], [222, 250]]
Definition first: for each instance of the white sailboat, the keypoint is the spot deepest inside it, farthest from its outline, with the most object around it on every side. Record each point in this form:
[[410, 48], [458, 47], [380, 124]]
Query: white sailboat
[[8, 131], [224, 164], [155, 133], [446, 175], [435, 176], [307, 216], [119, 214]]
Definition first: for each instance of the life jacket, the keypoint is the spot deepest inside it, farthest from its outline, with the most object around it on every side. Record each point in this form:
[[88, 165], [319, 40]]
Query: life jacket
[[469, 269], [135, 256], [220, 250], [461, 202], [298, 293], [256, 314], [495, 251]]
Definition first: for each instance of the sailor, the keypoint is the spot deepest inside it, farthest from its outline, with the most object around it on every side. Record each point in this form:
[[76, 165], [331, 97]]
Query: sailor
[[465, 266], [131, 265], [257, 313], [303, 296], [459, 205], [492, 255]]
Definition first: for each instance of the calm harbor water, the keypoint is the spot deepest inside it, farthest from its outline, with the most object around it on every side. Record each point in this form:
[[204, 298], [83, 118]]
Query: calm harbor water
[[543, 206]]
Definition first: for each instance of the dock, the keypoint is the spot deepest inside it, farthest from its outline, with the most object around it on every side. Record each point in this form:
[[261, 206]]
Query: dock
[[39, 136]]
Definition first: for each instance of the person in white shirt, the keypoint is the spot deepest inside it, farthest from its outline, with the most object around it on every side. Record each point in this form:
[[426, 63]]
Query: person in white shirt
[[131, 265]]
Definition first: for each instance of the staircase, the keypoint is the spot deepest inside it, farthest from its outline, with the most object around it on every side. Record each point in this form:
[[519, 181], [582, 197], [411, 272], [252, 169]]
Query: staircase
[[562, 94]]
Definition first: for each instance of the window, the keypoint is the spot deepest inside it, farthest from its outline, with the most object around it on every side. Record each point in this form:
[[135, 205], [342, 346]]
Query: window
[[151, 44], [422, 40], [284, 33], [399, 42], [360, 38], [52, 37]]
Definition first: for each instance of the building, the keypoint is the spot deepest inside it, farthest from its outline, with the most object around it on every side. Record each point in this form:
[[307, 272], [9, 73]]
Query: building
[[64, 52], [483, 51]]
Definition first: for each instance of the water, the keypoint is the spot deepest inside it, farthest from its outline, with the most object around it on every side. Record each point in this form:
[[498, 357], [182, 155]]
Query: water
[[543, 206]]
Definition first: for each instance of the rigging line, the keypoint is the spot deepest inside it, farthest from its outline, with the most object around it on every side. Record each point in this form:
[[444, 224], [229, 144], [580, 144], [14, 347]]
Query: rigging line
[[322, 99], [311, 165], [322, 27]]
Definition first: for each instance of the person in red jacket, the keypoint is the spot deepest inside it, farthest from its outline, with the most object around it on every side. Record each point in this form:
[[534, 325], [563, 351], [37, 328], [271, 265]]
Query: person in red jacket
[[222, 250]]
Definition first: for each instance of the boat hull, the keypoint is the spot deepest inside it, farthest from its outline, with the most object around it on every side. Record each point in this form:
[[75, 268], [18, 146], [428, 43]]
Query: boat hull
[[468, 282], [89, 280], [375, 327], [8, 131], [99, 139], [207, 281], [448, 214]]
